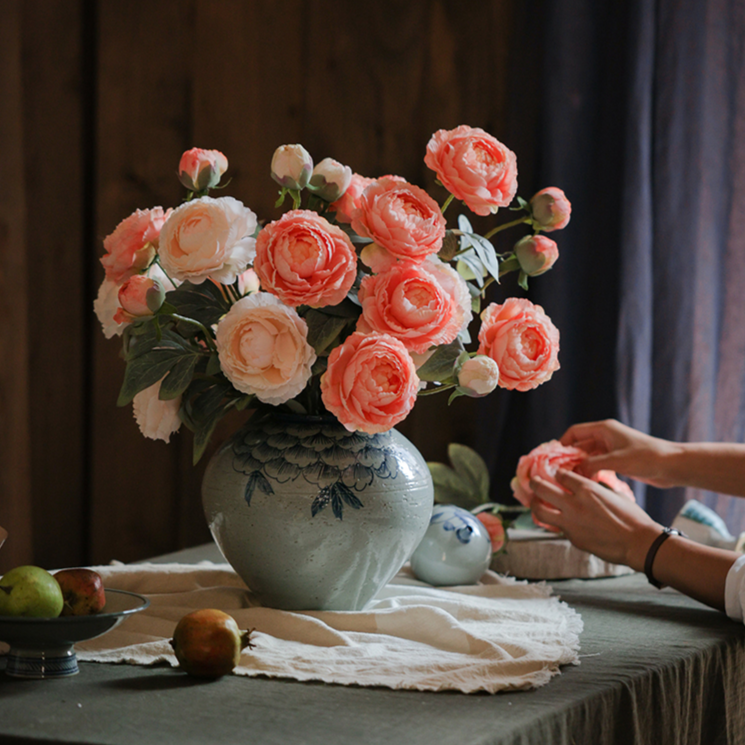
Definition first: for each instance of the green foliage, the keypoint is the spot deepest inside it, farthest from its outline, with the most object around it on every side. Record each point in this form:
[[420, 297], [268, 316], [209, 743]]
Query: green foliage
[[484, 250], [440, 367], [466, 484], [205, 303]]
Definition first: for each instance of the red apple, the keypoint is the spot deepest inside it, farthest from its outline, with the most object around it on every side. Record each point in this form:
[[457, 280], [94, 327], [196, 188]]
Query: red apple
[[208, 643], [82, 590]]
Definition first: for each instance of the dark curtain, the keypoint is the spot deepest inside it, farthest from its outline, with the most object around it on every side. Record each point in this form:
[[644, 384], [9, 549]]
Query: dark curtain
[[641, 122]]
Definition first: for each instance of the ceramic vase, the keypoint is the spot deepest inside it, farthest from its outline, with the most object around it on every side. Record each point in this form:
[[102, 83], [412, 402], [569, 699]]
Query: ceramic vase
[[312, 516]]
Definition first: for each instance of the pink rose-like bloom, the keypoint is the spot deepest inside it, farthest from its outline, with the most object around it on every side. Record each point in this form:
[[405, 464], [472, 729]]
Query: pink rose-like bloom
[[157, 419], [479, 376], [422, 305], [347, 203], [474, 167], [495, 528], [400, 217], [551, 209], [139, 296], [536, 254], [263, 348], [305, 260], [208, 238], [610, 479], [132, 245], [522, 340], [370, 383], [201, 169]]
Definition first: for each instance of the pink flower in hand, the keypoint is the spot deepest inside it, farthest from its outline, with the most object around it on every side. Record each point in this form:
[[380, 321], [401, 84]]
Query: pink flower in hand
[[400, 217], [370, 383], [347, 202], [305, 260], [132, 246], [201, 169], [522, 340], [551, 209], [474, 167]]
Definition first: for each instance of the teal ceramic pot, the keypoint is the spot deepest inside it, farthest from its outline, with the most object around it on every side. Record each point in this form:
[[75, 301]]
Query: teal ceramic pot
[[312, 516]]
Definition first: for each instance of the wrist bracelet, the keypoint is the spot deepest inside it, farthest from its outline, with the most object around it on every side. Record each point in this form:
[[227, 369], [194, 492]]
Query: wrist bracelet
[[649, 561]]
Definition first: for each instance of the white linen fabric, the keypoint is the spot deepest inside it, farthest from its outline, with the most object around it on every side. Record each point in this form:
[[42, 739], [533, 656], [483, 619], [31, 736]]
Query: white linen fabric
[[502, 634], [734, 591]]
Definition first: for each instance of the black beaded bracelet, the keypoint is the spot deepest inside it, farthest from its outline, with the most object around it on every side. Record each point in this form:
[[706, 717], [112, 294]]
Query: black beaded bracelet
[[649, 561]]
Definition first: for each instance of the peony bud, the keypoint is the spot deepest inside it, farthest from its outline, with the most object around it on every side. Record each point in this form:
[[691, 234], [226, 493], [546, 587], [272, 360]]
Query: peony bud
[[550, 209], [536, 254], [199, 169], [292, 166], [248, 282], [330, 179], [139, 296], [478, 376]]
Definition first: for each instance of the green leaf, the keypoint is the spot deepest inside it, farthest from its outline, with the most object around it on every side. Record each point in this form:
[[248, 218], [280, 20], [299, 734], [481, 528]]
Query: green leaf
[[470, 466], [439, 367], [179, 378], [474, 269], [205, 411], [522, 280], [450, 487], [204, 303], [324, 329], [450, 245], [485, 251]]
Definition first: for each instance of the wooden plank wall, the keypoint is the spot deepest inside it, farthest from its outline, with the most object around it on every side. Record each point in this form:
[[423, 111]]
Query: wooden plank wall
[[100, 98]]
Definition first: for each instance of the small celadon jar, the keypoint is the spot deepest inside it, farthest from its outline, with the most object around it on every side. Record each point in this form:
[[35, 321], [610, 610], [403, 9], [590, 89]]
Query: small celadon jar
[[455, 550]]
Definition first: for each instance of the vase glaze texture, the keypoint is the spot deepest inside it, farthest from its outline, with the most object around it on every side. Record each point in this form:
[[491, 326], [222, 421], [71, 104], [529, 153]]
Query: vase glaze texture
[[312, 516]]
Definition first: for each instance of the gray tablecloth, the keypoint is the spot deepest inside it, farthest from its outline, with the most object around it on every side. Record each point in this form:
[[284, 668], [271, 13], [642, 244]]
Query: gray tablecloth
[[657, 668]]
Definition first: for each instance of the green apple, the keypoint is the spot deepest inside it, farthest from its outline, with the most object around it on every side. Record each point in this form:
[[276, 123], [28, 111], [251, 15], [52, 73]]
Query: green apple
[[30, 591]]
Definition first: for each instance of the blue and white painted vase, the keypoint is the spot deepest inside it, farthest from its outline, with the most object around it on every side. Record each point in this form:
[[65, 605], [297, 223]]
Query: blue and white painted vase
[[312, 516]]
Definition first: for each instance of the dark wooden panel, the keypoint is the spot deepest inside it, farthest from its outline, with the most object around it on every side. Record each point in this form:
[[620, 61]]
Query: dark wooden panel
[[15, 484], [58, 315]]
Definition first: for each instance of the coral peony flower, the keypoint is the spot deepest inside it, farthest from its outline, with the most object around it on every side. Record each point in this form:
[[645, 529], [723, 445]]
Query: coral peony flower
[[522, 340], [330, 179], [370, 383], [156, 419], [536, 254], [292, 166], [610, 479], [208, 238], [263, 348], [347, 203], [420, 304], [201, 169], [478, 376], [400, 217], [132, 246], [305, 260], [139, 296], [495, 528], [551, 209], [474, 166]]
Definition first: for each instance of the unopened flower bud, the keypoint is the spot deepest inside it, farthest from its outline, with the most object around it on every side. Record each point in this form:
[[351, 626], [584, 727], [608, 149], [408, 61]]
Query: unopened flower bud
[[248, 282], [550, 209], [139, 296], [201, 169], [292, 166], [478, 376], [536, 254], [330, 179]]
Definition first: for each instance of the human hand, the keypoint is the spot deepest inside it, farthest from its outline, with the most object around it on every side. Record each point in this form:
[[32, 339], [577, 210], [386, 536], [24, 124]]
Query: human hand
[[594, 518], [621, 448]]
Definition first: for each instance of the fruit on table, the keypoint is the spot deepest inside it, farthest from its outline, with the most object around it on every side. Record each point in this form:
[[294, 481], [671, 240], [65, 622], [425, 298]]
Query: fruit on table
[[30, 591], [208, 643], [82, 591]]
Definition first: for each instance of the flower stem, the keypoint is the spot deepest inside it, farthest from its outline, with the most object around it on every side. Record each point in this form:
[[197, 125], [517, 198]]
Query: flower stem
[[447, 203], [201, 326], [506, 225], [439, 389]]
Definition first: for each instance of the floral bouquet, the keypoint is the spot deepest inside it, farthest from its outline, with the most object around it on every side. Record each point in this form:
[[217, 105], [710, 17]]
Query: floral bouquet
[[353, 303]]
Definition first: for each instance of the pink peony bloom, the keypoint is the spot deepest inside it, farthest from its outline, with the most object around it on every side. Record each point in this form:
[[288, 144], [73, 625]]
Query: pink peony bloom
[[208, 238], [478, 376], [201, 169], [370, 383], [551, 209], [522, 340], [156, 419], [474, 166], [139, 296], [347, 203], [495, 528], [400, 217], [305, 260], [536, 254], [546, 459], [132, 246], [263, 348], [422, 305]]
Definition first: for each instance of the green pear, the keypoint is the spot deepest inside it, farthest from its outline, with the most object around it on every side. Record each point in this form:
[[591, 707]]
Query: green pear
[[30, 591]]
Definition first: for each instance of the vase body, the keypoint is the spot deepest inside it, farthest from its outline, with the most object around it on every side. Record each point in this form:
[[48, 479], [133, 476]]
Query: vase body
[[312, 516]]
